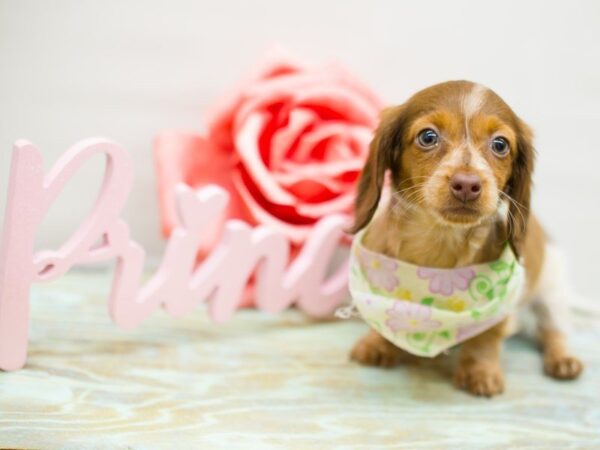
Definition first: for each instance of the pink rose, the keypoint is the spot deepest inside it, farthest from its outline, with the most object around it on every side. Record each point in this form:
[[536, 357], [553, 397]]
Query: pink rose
[[288, 144]]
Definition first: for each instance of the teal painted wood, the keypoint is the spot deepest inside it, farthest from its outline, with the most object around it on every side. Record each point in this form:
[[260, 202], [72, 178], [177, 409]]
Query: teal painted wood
[[266, 382]]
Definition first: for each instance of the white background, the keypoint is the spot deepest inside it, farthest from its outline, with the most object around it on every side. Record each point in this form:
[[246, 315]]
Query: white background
[[126, 70]]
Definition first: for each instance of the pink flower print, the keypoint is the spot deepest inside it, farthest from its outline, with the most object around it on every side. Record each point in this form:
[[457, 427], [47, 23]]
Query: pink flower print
[[444, 281], [404, 316], [380, 271]]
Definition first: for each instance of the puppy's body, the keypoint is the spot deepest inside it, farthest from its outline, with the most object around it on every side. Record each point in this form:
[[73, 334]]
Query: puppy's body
[[429, 220]]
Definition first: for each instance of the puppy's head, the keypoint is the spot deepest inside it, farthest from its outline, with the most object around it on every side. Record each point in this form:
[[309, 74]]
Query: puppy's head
[[456, 150]]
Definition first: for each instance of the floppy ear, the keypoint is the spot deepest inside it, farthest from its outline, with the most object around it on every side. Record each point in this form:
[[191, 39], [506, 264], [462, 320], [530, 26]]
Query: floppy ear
[[519, 186], [383, 153]]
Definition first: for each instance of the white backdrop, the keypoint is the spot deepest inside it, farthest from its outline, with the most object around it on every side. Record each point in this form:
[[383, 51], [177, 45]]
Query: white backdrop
[[73, 69]]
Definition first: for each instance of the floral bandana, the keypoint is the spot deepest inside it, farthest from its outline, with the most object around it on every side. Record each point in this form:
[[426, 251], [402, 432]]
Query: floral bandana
[[425, 310]]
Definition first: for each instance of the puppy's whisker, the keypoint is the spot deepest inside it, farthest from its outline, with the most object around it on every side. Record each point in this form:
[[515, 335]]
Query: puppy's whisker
[[511, 198], [415, 196], [417, 177], [403, 202], [408, 189], [518, 207], [408, 192], [509, 221]]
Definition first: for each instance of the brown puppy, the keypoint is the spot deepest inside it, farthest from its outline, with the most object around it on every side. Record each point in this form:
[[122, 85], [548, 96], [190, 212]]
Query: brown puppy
[[461, 162]]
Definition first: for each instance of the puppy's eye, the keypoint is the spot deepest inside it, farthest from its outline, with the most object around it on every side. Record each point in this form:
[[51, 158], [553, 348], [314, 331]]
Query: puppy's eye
[[500, 146], [427, 139]]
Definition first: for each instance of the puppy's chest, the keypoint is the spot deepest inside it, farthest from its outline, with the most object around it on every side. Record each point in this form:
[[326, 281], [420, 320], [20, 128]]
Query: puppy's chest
[[429, 246], [432, 252]]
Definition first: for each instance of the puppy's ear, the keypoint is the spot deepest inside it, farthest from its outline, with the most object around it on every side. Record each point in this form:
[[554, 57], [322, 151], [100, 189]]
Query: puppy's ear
[[519, 186], [383, 153]]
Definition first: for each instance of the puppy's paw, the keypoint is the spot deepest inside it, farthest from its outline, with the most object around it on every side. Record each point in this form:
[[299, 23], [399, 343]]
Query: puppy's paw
[[483, 379], [376, 351], [562, 367]]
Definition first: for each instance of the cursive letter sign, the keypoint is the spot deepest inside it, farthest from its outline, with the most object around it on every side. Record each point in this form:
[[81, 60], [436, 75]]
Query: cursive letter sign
[[180, 283]]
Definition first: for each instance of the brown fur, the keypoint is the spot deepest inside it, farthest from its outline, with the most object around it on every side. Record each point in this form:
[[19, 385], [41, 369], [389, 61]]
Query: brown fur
[[423, 224]]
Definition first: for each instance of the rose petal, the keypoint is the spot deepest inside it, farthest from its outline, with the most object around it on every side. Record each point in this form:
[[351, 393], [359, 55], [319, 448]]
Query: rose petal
[[340, 151], [246, 142], [360, 138], [318, 170], [315, 182], [325, 130], [299, 185], [314, 191], [343, 203], [296, 233], [334, 99], [285, 138]]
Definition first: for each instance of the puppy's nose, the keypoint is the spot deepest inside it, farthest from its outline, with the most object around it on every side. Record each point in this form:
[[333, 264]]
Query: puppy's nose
[[465, 186]]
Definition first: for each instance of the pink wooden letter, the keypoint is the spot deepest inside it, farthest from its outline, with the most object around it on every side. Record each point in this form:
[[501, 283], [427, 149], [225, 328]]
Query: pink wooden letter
[[30, 196]]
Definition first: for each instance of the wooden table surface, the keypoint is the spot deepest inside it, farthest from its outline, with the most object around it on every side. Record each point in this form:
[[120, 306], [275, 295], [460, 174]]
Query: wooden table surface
[[265, 382]]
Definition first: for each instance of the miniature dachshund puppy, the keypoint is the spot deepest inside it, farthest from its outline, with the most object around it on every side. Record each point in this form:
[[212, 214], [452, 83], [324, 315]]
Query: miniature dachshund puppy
[[460, 163]]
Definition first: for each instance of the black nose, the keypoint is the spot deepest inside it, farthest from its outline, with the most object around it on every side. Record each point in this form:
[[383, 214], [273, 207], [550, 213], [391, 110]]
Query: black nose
[[465, 186]]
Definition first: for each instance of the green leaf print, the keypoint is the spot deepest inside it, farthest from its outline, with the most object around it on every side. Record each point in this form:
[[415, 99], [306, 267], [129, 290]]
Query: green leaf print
[[480, 287], [445, 334], [475, 314], [420, 341], [499, 266], [427, 301]]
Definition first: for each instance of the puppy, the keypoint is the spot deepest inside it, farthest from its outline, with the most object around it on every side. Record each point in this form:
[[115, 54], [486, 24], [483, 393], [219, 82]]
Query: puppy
[[461, 162]]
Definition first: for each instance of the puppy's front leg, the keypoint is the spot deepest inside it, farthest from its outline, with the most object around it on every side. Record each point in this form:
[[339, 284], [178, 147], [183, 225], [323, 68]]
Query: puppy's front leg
[[558, 361], [479, 370], [553, 314], [375, 350]]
